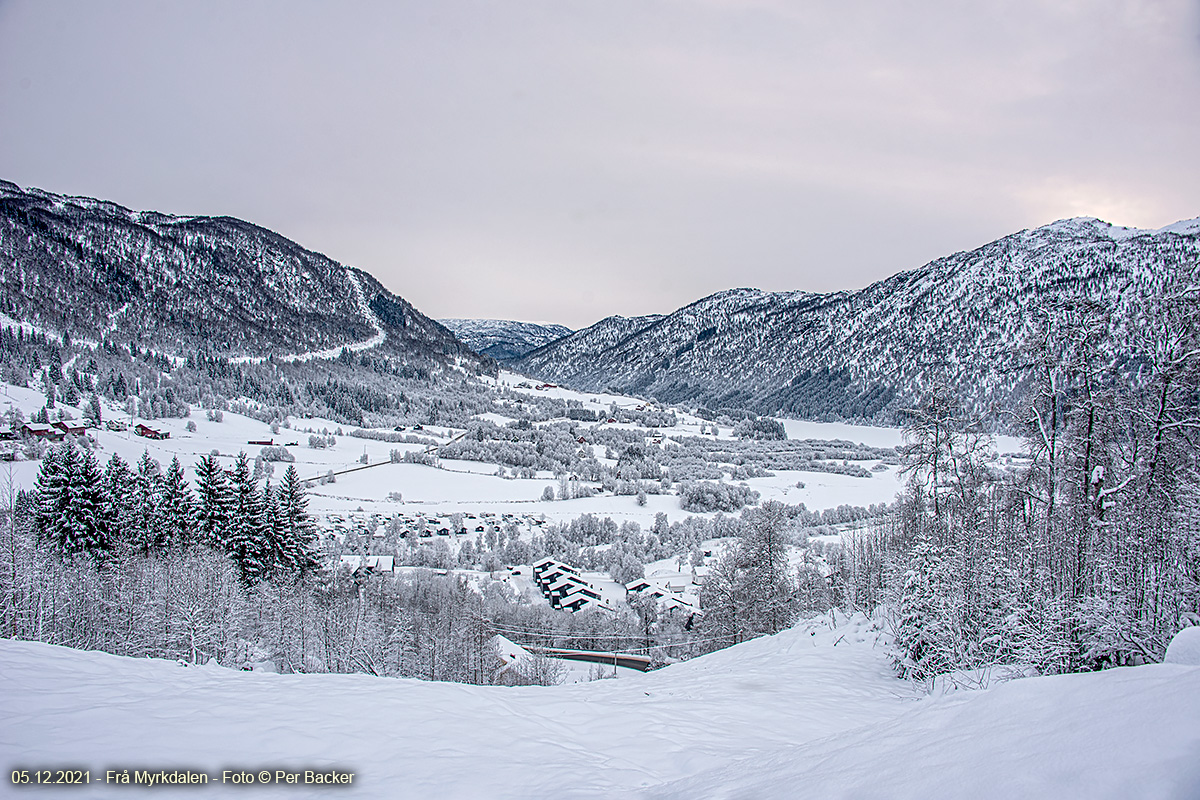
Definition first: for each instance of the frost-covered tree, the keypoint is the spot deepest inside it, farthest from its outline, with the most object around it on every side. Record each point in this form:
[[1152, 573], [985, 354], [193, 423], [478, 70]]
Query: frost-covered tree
[[147, 502], [177, 508], [299, 538], [214, 502], [750, 590], [69, 514], [246, 539]]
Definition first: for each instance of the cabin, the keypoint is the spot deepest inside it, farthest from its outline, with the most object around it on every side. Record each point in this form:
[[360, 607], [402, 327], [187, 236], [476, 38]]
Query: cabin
[[115, 425], [39, 431], [150, 433], [373, 564], [663, 585], [674, 592], [550, 576], [7, 434], [66, 427], [262, 442], [562, 587], [576, 602], [682, 605]]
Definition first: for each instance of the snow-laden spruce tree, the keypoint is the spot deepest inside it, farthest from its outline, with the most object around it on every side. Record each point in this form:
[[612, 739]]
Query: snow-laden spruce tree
[[214, 502], [298, 536], [148, 528], [245, 538], [178, 508], [69, 514]]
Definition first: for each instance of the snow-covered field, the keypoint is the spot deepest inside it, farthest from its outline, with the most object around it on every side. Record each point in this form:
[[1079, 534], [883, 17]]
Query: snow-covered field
[[457, 485], [811, 712]]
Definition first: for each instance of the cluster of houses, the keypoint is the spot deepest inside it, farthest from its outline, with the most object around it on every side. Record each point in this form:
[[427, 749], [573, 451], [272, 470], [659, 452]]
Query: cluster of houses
[[562, 585], [53, 431], [674, 591], [470, 524]]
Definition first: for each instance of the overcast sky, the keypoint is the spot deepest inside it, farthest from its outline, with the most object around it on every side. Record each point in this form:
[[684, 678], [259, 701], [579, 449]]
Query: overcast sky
[[562, 161]]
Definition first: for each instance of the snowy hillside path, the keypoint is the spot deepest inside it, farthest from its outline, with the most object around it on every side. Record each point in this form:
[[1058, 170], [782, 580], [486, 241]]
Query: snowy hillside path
[[407, 738]]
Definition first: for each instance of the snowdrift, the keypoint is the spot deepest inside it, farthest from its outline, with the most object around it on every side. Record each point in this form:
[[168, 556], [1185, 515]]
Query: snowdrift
[[811, 712]]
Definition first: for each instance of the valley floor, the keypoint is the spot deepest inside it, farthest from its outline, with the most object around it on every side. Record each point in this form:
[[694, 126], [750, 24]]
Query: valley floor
[[811, 712]]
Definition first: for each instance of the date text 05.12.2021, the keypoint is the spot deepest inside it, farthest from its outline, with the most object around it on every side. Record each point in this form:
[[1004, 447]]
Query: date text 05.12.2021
[[49, 777]]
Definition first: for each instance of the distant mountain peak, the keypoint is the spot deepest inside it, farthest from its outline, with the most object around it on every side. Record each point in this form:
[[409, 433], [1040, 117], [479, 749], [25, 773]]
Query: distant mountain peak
[[504, 339]]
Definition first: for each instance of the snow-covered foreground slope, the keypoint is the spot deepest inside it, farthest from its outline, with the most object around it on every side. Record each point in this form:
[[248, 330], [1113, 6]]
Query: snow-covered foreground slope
[[812, 712]]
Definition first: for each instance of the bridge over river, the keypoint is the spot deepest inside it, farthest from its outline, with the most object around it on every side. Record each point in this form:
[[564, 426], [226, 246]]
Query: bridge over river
[[629, 660]]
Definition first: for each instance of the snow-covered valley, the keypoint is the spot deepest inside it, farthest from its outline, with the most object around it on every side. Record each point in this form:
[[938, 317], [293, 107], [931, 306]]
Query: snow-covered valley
[[347, 543]]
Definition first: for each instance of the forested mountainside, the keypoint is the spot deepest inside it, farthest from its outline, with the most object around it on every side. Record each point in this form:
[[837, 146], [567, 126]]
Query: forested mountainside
[[95, 270], [504, 339], [866, 354]]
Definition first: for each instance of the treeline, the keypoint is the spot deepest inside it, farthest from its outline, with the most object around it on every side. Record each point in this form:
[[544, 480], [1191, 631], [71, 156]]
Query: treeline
[[365, 389], [1087, 556], [80, 508]]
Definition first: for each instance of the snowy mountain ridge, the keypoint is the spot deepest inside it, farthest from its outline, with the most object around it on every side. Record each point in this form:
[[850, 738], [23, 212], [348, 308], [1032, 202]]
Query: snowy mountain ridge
[[864, 354], [504, 339], [178, 283]]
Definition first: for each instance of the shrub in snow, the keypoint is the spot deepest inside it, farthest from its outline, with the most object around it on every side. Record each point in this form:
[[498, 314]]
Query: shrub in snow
[[277, 453], [191, 426], [704, 496], [548, 493]]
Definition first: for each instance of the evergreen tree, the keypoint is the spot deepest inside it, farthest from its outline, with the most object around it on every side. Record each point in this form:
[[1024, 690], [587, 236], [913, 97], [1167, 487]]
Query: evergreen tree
[[246, 540], [274, 551], [116, 500], [926, 629], [214, 503], [178, 507], [299, 534], [69, 514], [53, 488], [94, 409], [148, 531]]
